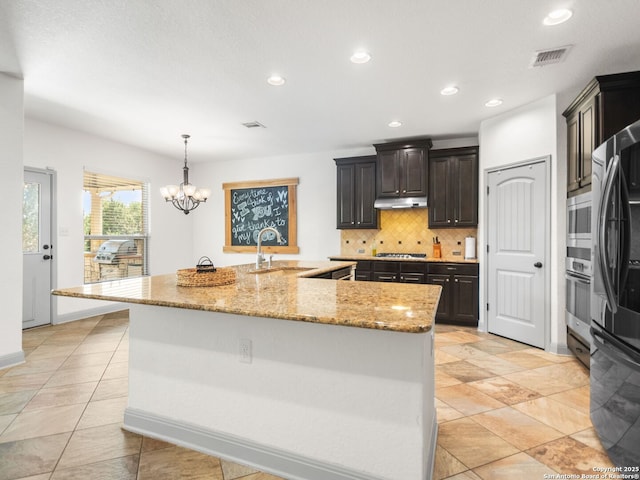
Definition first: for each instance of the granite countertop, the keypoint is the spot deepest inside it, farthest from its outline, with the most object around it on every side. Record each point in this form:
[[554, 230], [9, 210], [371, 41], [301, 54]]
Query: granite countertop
[[285, 292], [358, 258]]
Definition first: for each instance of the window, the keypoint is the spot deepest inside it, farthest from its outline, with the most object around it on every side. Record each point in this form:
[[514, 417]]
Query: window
[[31, 217], [116, 235]]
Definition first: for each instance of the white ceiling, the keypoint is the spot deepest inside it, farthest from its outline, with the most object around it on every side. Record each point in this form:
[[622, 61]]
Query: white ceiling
[[143, 72]]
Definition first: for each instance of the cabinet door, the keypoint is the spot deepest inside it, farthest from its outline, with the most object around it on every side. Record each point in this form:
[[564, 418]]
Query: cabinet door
[[438, 192], [414, 173], [346, 196], [573, 153], [363, 271], [444, 307], [388, 177], [588, 124], [465, 299], [366, 215], [465, 191]]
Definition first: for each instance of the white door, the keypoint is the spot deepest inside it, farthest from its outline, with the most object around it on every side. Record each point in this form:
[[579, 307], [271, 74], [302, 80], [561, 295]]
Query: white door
[[37, 251], [517, 236]]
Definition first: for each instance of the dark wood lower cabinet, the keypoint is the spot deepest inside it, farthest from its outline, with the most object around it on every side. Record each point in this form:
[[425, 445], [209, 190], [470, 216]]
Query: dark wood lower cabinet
[[460, 296], [364, 271], [459, 281]]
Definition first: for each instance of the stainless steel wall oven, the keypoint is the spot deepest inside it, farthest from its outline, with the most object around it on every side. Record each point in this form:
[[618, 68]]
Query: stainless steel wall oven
[[578, 276]]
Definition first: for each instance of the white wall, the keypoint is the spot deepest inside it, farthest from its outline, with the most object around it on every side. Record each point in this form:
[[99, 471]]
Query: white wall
[[69, 152], [521, 134], [11, 179], [318, 237]]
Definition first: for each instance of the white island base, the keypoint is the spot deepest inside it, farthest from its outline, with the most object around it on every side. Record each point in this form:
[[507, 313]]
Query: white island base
[[316, 401]]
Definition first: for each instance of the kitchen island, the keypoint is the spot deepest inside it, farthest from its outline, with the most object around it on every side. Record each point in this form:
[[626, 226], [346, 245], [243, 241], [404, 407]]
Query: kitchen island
[[303, 377]]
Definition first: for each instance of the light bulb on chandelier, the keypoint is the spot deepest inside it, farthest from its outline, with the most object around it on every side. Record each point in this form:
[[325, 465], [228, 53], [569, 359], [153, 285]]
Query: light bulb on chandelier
[[185, 197]]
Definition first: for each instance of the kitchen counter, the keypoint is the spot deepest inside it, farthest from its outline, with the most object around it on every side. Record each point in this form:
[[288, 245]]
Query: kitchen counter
[[284, 292], [358, 258], [221, 370]]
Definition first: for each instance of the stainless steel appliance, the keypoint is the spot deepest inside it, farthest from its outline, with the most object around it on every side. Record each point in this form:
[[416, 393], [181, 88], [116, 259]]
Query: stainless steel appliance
[[615, 296], [111, 251], [401, 255], [578, 276], [578, 258]]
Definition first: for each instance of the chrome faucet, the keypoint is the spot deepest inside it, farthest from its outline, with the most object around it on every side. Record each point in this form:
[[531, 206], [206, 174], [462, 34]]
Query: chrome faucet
[[260, 256]]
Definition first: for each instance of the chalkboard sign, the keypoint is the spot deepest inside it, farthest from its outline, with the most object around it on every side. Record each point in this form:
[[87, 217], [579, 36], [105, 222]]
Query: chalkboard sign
[[253, 206]]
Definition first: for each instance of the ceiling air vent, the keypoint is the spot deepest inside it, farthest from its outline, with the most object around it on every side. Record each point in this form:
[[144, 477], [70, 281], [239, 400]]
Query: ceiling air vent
[[254, 124], [542, 58]]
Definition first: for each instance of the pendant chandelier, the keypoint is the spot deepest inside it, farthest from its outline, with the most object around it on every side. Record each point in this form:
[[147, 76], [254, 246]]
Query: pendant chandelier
[[185, 197]]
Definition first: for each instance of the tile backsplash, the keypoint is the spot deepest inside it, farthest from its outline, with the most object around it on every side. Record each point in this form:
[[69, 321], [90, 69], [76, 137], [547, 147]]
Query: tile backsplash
[[405, 231]]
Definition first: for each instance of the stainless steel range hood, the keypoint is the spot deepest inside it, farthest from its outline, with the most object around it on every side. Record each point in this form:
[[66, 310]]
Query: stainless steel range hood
[[407, 202]]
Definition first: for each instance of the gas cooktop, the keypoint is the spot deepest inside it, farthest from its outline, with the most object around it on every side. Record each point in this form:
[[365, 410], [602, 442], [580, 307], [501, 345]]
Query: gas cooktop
[[401, 255]]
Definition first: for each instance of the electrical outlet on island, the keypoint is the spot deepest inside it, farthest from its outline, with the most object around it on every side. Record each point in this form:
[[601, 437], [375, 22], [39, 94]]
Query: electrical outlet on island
[[244, 350]]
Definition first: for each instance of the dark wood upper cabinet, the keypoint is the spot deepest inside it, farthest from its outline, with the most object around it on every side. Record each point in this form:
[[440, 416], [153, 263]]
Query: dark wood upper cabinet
[[604, 107], [453, 187], [402, 168], [356, 190]]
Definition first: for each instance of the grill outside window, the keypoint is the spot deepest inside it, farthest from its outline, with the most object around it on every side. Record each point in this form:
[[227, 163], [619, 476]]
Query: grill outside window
[[115, 227]]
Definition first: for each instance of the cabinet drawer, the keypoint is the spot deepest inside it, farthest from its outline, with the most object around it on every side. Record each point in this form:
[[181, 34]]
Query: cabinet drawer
[[385, 277], [413, 267], [388, 267], [454, 268]]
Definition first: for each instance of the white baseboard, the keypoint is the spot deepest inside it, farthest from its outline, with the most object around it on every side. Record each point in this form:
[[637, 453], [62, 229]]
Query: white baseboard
[[86, 313], [11, 359], [262, 457], [559, 349]]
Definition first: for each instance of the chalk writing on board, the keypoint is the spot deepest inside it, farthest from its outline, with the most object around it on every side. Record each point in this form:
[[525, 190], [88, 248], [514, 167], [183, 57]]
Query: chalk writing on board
[[253, 209]]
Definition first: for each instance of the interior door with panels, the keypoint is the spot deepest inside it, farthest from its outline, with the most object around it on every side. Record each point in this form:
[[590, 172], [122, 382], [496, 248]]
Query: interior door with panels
[[517, 244]]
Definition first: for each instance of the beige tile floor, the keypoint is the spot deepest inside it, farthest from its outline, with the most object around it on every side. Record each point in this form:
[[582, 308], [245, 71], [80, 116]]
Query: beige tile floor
[[505, 410]]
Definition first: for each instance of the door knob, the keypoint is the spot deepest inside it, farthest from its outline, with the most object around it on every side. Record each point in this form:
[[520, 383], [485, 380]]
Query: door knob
[[538, 264], [47, 257]]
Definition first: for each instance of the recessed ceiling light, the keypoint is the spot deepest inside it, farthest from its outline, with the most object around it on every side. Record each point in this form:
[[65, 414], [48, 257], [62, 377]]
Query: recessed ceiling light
[[557, 17], [360, 56], [395, 124], [452, 90], [494, 102], [276, 80]]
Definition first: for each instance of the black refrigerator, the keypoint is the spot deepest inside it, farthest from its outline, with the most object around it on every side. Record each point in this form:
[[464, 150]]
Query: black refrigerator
[[615, 296]]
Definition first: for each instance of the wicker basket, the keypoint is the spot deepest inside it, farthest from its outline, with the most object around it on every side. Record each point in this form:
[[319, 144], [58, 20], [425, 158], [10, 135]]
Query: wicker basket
[[191, 277]]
